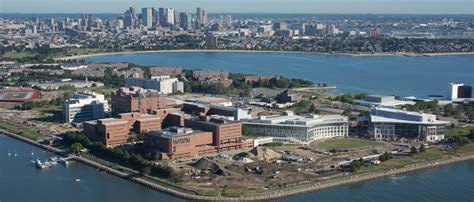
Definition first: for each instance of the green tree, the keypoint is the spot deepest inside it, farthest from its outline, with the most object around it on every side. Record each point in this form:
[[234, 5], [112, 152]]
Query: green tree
[[312, 108], [145, 170], [422, 148], [413, 150], [76, 147]]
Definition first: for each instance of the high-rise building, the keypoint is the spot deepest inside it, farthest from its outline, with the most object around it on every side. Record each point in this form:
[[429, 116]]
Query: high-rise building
[[204, 17], [147, 17], [228, 21], [177, 19], [161, 16], [211, 41], [199, 15], [185, 20], [129, 18], [280, 26], [169, 16]]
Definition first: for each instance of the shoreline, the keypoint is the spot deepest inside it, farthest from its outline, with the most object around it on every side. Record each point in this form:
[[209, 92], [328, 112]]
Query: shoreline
[[75, 57], [277, 194]]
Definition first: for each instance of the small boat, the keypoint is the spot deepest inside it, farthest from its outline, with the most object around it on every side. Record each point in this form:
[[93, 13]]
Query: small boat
[[77, 180], [9, 154], [63, 161], [14, 154], [53, 158]]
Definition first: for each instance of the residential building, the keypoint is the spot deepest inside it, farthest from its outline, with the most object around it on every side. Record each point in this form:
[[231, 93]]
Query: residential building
[[390, 124], [211, 41], [300, 128]]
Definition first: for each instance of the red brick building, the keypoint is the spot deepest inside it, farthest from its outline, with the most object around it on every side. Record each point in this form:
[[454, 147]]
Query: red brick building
[[179, 143]]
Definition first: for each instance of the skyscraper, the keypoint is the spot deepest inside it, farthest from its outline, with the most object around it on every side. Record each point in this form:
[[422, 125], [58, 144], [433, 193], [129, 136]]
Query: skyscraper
[[199, 15], [161, 16], [204, 17], [169, 16], [185, 20], [147, 17], [228, 21]]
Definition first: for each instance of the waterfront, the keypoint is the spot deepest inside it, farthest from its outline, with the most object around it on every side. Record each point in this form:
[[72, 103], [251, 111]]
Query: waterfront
[[21, 181], [447, 183], [391, 75]]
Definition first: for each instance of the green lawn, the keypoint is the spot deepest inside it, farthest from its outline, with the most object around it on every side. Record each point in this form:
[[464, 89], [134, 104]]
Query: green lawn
[[23, 131], [14, 95], [457, 131], [347, 143]]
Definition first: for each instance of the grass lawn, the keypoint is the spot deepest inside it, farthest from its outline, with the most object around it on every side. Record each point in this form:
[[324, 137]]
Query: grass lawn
[[457, 131], [347, 143], [13, 95], [19, 55], [23, 131]]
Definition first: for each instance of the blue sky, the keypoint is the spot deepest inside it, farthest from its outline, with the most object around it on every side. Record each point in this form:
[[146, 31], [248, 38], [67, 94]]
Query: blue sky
[[243, 6]]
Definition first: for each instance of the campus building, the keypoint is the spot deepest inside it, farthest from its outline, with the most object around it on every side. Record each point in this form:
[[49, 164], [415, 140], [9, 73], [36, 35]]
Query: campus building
[[227, 135], [390, 124], [381, 101], [136, 99], [176, 143], [163, 84], [84, 106], [459, 91], [299, 128]]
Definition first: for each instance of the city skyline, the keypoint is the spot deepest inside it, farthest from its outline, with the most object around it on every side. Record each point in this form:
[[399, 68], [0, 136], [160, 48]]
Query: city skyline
[[247, 6]]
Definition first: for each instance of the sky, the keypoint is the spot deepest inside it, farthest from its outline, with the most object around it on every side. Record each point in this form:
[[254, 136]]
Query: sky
[[244, 6]]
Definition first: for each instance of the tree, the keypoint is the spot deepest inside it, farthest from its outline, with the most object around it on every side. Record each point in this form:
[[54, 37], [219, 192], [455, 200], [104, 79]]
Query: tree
[[76, 147], [145, 170], [312, 108], [422, 148], [355, 165], [413, 150]]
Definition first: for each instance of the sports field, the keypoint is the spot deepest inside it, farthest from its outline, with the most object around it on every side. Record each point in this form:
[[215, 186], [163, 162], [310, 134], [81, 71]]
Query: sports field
[[19, 95], [16, 95]]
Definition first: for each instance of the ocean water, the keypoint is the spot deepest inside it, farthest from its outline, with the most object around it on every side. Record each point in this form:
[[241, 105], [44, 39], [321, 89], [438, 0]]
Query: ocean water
[[21, 181], [389, 75]]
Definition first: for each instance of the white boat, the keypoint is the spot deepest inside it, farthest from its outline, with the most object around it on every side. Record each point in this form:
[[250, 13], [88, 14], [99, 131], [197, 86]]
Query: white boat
[[53, 158], [63, 161], [77, 180]]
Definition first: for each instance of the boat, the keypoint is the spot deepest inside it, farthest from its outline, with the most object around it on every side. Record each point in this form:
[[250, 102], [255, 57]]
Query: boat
[[77, 180], [53, 158], [63, 161]]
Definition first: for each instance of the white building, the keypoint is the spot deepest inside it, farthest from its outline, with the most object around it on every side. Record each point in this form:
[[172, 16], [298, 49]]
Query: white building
[[381, 101], [163, 84], [300, 128], [84, 107], [389, 124]]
